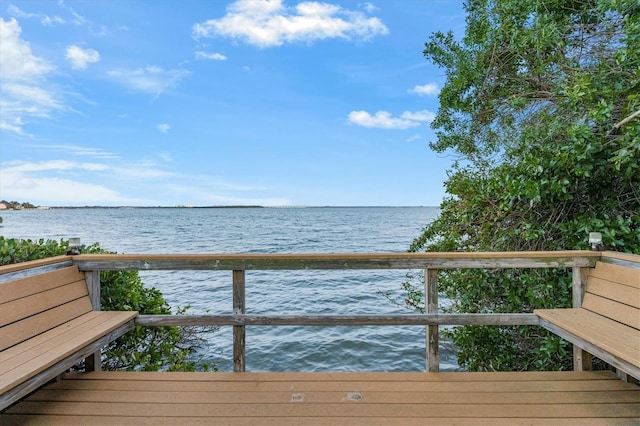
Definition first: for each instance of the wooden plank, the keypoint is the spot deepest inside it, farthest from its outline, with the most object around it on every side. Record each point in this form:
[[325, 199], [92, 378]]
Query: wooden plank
[[633, 258], [614, 291], [36, 381], [338, 320], [617, 273], [165, 394], [22, 287], [51, 420], [65, 341], [432, 335], [405, 377], [351, 409], [305, 383], [612, 309], [608, 334], [582, 360], [40, 302], [92, 262], [611, 357], [239, 334], [94, 361], [15, 275], [5, 269], [27, 328]]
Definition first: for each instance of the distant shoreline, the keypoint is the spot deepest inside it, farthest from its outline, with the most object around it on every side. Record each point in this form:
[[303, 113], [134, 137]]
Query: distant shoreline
[[204, 207]]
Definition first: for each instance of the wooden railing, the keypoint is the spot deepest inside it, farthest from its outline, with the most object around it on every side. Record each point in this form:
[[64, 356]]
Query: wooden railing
[[431, 263]]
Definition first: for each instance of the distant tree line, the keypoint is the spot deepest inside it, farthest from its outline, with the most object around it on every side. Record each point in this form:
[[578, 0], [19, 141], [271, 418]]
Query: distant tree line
[[15, 205]]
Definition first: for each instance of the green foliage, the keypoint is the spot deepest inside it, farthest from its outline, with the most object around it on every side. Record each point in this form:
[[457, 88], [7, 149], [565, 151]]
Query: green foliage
[[143, 348], [542, 108]]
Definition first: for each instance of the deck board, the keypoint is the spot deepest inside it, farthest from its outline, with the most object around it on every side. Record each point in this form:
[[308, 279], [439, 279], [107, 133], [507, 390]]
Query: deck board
[[331, 398]]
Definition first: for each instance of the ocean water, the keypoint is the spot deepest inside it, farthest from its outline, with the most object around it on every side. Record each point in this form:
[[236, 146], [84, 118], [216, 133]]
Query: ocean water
[[268, 230]]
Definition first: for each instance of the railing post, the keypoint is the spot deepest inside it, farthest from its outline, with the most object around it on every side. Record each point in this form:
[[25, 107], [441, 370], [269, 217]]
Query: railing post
[[238, 330], [431, 307], [93, 362], [581, 358]]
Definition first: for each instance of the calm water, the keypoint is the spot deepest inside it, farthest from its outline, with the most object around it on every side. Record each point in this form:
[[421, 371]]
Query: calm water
[[282, 230]]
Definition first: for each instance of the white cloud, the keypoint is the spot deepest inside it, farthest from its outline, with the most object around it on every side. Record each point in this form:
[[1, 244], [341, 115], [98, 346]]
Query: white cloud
[[77, 18], [52, 20], [79, 151], [60, 182], [429, 89], [369, 7], [19, 13], [384, 119], [57, 191], [23, 167], [24, 91], [211, 56], [270, 23], [44, 19], [151, 79], [16, 60], [81, 58], [164, 128]]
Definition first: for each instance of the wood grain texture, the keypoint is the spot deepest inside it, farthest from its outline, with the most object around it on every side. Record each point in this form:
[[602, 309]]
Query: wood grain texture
[[33, 264], [612, 309], [89, 262], [24, 287], [338, 320], [616, 273], [614, 343], [331, 398]]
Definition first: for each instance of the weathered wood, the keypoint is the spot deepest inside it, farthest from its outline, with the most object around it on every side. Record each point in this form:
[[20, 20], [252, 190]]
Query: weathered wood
[[332, 398], [36, 270], [239, 360], [582, 360], [94, 361], [627, 259], [143, 262], [338, 320], [431, 308], [34, 264]]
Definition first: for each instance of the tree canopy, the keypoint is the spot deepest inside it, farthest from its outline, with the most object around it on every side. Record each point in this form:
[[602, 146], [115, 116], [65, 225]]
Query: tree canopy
[[541, 109]]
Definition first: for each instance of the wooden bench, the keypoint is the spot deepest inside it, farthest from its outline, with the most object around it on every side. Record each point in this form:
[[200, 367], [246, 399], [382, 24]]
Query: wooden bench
[[47, 325], [608, 323]]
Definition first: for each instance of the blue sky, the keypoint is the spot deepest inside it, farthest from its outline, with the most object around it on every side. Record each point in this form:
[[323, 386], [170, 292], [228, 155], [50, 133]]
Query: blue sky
[[163, 103]]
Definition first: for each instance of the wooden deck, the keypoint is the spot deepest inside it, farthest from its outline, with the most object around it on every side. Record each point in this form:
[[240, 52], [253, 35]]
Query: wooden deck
[[576, 398]]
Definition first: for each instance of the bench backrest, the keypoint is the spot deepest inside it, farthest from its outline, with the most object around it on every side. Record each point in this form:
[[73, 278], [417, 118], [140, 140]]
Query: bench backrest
[[32, 305], [613, 291]]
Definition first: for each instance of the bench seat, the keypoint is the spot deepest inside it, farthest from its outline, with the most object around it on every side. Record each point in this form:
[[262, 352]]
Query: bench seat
[[608, 323], [611, 341], [47, 325]]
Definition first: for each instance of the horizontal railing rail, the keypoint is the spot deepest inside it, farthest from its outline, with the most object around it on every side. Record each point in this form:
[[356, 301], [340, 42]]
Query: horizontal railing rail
[[431, 263], [147, 262], [338, 320]]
